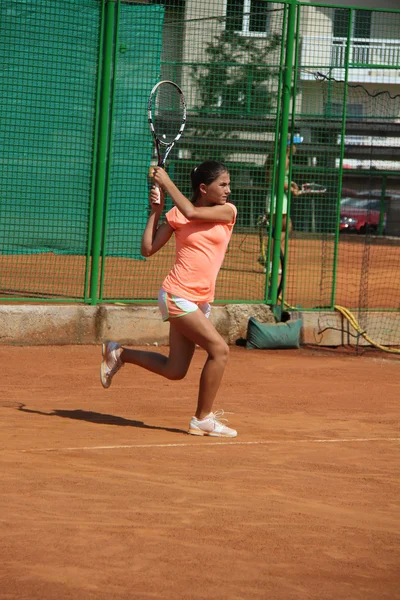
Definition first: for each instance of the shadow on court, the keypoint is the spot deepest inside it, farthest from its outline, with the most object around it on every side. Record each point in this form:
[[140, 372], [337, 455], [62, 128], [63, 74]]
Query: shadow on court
[[99, 418]]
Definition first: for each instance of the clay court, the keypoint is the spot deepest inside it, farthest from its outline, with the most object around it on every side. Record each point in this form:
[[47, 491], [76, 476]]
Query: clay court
[[104, 495]]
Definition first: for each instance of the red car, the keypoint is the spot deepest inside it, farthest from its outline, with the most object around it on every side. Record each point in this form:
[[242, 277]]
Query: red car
[[360, 215]]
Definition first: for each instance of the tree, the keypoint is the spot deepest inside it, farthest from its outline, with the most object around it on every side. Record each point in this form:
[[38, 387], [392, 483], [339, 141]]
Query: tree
[[237, 82]]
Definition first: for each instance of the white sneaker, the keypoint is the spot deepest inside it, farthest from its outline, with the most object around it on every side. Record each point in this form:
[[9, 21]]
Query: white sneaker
[[211, 425], [111, 363]]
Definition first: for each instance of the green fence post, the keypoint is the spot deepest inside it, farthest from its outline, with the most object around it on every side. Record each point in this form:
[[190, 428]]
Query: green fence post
[[271, 191], [116, 17], [342, 145], [286, 97], [102, 148], [88, 268], [296, 71]]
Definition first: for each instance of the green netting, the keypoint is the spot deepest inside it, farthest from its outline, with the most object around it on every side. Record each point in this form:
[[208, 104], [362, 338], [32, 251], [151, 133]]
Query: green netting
[[347, 239], [137, 70], [49, 57], [231, 85], [75, 163]]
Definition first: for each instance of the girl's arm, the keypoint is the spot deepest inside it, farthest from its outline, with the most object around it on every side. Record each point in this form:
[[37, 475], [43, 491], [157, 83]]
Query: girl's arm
[[220, 213], [155, 236], [294, 188]]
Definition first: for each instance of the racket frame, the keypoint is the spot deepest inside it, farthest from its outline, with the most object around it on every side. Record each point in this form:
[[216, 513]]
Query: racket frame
[[159, 143], [306, 190]]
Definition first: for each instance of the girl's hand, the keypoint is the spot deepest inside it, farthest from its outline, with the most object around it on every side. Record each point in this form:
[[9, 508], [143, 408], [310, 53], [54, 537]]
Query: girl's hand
[[156, 197], [161, 177], [295, 189]]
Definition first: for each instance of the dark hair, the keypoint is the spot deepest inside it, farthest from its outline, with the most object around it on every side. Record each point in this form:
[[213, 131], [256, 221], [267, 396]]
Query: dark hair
[[207, 172]]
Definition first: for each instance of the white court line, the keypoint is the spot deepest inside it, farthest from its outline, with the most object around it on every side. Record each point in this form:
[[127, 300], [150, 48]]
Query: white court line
[[213, 443]]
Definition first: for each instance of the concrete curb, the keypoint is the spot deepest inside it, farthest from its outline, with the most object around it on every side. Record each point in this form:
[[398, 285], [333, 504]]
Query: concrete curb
[[38, 325], [45, 324]]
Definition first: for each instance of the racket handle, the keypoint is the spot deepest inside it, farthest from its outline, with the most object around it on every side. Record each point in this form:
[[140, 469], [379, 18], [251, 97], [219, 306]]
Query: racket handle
[[156, 187]]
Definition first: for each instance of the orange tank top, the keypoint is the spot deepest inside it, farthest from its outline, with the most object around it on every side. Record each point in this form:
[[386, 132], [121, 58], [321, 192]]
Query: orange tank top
[[200, 251]]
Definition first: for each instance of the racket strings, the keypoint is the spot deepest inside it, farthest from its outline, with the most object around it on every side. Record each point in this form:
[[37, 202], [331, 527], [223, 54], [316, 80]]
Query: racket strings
[[168, 113]]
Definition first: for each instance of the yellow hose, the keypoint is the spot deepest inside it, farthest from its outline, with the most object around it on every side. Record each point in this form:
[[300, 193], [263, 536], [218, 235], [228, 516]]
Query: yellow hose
[[354, 323], [356, 326]]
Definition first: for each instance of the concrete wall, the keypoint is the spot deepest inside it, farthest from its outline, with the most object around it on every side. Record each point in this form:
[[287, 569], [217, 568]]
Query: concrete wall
[[135, 325], [36, 325]]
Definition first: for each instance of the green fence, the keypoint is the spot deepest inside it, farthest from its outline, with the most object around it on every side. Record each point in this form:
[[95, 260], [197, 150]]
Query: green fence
[[75, 149]]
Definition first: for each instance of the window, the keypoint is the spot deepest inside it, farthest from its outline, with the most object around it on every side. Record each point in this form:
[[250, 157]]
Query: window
[[249, 17], [361, 23], [359, 35]]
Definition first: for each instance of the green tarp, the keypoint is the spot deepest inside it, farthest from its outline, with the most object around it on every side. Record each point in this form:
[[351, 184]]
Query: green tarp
[[49, 55]]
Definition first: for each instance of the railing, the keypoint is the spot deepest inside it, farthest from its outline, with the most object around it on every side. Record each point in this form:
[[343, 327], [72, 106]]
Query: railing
[[364, 52]]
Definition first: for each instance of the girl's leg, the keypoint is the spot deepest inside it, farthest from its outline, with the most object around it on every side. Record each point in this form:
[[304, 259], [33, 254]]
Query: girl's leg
[[173, 366], [198, 329], [185, 332], [283, 234], [273, 241]]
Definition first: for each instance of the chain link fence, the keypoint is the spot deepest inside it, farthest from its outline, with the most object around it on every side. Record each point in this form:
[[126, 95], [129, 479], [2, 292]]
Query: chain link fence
[[76, 152]]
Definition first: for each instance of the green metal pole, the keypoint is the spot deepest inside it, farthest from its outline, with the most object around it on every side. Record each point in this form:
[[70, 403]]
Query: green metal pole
[[117, 3], [342, 144], [94, 164], [102, 148], [275, 153], [286, 97], [296, 71], [382, 206]]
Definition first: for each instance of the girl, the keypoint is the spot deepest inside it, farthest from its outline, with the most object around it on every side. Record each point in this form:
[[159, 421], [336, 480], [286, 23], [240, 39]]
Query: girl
[[202, 228], [295, 191]]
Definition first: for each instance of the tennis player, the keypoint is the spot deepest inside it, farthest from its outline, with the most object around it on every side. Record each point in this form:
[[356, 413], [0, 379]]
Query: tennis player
[[202, 229], [294, 189]]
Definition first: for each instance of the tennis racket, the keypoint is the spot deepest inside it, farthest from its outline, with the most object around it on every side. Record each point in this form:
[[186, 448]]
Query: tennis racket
[[166, 112], [312, 188]]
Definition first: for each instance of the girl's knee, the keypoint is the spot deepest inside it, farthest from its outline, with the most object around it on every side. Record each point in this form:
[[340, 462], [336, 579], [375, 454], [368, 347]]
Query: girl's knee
[[220, 351], [176, 373]]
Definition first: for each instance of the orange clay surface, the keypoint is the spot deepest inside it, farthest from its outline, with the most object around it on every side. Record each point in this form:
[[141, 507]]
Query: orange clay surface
[[104, 496]]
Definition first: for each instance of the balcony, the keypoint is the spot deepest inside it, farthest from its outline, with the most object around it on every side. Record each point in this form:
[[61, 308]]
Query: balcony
[[370, 60]]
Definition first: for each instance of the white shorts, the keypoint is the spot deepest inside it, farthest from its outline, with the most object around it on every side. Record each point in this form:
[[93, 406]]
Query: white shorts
[[172, 306]]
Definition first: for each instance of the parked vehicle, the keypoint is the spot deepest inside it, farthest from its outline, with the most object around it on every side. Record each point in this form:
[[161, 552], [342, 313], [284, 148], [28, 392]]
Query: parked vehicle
[[360, 215]]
